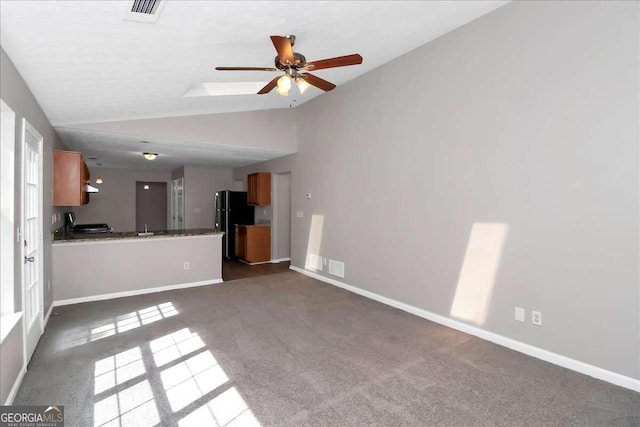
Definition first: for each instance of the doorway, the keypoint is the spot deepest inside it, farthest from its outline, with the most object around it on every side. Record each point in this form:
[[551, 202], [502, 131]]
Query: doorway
[[32, 247], [151, 205]]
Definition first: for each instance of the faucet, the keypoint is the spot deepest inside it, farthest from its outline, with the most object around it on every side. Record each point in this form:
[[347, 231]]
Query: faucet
[[145, 228]]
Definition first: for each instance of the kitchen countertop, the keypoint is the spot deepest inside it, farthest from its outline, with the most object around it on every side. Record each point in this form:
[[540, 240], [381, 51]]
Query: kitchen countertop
[[62, 237]]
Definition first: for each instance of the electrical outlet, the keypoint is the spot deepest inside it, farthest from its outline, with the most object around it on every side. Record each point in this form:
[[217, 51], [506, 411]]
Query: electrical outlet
[[520, 314], [536, 318], [186, 265]]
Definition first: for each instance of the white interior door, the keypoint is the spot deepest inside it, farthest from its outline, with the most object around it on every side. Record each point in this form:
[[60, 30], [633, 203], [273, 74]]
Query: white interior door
[[32, 270]]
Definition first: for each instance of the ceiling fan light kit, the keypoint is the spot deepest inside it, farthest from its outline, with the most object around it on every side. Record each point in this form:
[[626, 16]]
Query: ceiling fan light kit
[[283, 85], [295, 67], [150, 156]]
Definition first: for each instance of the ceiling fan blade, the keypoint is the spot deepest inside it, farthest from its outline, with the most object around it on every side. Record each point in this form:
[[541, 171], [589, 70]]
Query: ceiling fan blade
[[284, 49], [339, 61], [269, 86], [318, 82], [245, 69]]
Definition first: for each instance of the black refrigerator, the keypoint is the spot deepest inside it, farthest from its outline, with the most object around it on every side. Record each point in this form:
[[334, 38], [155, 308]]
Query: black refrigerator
[[231, 209]]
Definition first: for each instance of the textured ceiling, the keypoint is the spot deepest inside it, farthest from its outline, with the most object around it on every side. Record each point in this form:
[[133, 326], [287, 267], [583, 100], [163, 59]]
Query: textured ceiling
[[85, 63]]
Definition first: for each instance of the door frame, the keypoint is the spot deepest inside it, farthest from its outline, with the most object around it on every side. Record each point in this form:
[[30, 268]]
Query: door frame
[[26, 127]]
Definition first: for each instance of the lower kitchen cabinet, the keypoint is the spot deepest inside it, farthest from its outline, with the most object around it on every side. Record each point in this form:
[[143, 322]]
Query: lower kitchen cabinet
[[253, 243]]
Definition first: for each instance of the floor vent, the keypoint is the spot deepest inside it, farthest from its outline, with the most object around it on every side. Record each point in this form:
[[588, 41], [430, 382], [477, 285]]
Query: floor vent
[[144, 10]]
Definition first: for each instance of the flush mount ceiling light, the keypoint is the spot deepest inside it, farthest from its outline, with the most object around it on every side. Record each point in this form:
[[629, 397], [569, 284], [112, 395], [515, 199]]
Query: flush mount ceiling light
[[146, 187], [150, 156], [293, 63], [99, 180]]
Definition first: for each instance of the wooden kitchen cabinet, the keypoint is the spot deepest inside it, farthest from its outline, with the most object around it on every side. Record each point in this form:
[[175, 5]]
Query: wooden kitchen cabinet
[[70, 178], [259, 189], [253, 243]]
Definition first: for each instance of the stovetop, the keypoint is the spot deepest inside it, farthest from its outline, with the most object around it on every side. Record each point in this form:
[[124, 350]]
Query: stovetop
[[91, 228]]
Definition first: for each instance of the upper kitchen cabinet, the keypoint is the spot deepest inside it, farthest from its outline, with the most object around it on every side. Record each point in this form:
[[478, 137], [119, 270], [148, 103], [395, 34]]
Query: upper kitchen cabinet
[[259, 189], [70, 179]]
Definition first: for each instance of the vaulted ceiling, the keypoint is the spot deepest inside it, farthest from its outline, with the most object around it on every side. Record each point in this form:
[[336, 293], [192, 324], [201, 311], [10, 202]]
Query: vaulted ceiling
[[86, 63]]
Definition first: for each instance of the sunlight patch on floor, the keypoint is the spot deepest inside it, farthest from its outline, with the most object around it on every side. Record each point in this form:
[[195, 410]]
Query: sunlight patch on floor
[[174, 346], [192, 382], [192, 379], [133, 320], [228, 409], [118, 369], [133, 406]]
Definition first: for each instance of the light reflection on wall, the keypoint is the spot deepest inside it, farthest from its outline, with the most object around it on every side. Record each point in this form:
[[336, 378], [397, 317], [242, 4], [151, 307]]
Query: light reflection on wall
[[478, 272], [315, 241]]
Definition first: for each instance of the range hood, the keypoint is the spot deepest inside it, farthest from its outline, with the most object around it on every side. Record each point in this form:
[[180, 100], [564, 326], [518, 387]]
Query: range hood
[[90, 189]]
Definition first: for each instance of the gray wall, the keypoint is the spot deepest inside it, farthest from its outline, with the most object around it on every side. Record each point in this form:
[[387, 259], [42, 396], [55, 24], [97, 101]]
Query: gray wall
[[142, 264], [200, 186], [525, 119], [177, 173], [115, 204], [16, 94], [151, 205]]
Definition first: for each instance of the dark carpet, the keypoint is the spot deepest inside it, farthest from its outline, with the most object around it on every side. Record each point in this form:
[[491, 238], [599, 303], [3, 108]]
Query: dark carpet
[[286, 350]]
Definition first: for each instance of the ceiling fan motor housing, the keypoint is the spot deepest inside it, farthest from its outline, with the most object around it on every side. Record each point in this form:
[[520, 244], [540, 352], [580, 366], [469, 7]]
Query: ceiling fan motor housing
[[298, 62]]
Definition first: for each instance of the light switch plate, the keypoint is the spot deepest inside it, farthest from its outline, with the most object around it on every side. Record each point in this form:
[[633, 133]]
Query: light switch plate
[[299, 214], [520, 314]]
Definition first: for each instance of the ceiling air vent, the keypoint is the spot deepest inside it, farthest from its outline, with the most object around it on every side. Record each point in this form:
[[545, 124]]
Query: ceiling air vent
[[144, 10]]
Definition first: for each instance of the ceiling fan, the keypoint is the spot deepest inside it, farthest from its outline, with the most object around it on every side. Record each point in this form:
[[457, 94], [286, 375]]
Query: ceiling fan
[[295, 65]]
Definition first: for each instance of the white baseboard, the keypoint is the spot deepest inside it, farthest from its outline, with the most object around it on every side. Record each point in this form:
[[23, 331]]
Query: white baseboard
[[46, 318], [276, 261], [135, 292], [16, 386], [539, 353]]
